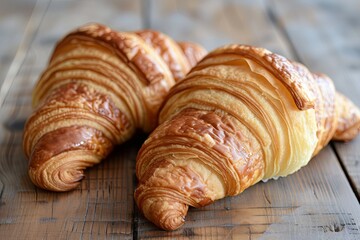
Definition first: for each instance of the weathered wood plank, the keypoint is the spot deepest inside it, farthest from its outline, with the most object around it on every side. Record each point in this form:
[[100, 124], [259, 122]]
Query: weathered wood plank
[[16, 21], [102, 206], [216, 23], [317, 202], [326, 35], [14, 16]]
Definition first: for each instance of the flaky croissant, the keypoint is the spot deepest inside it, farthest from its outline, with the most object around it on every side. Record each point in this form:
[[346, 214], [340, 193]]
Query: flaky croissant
[[99, 87], [242, 115]]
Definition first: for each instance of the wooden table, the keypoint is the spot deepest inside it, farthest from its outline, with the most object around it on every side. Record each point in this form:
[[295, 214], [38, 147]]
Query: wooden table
[[321, 201]]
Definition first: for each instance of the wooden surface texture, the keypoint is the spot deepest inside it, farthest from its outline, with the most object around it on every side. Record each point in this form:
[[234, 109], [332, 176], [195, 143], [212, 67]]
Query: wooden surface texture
[[321, 201]]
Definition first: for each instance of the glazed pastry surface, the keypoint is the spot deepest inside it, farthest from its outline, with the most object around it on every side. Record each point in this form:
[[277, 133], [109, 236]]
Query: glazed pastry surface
[[242, 114], [99, 87]]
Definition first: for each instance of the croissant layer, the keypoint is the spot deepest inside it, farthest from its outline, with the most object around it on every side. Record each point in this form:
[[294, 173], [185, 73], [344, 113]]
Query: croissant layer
[[99, 87], [242, 114]]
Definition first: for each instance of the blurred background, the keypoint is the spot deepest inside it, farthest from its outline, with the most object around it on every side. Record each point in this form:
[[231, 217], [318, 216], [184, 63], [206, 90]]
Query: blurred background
[[326, 28]]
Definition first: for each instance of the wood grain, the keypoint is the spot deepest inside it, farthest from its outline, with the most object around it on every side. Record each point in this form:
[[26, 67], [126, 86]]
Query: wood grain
[[216, 23], [14, 17], [101, 206], [325, 40], [18, 27]]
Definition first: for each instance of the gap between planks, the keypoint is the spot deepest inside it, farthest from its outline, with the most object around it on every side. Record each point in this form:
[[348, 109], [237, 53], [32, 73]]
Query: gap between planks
[[31, 29]]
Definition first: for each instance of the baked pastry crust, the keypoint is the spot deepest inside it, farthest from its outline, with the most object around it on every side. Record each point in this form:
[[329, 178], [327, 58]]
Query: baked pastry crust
[[242, 114], [99, 87]]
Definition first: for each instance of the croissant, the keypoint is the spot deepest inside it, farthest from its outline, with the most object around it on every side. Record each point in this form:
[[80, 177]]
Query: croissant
[[242, 115], [99, 87]]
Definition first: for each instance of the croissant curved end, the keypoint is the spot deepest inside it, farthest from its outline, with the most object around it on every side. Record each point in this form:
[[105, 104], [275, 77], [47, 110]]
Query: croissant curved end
[[61, 173], [57, 181], [171, 218], [165, 212]]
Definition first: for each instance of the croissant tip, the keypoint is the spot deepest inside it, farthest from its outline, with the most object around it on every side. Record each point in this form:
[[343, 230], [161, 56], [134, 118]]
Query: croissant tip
[[172, 222], [55, 181], [166, 213]]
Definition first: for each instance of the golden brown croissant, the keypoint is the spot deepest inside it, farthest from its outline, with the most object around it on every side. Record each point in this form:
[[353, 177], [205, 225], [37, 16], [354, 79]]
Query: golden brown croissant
[[100, 86], [242, 115]]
